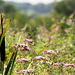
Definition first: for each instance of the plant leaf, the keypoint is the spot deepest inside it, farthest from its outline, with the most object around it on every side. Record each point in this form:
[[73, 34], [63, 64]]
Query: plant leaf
[[8, 66], [7, 25]]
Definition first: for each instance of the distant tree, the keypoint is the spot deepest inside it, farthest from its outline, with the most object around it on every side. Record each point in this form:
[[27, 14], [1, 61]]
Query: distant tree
[[65, 7], [9, 8], [1, 4]]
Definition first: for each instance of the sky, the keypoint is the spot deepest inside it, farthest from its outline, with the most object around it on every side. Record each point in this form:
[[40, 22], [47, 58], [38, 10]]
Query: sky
[[33, 1]]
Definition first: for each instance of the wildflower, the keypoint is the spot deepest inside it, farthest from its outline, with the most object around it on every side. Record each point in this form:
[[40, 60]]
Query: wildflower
[[18, 60], [18, 32], [49, 56], [27, 48], [57, 28], [16, 43], [14, 32], [69, 65], [40, 57], [47, 30], [52, 29], [44, 58], [64, 46], [56, 64], [8, 31], [68, 41], [41, 26], [42, 53], [50, 42], [34, 64], [28, 40], [22, 45], [19, 73], [48, 69], [28, 71], [45, 51], [51, 52], [69, 20], [20, 29], [74, 19], [3, 26], [51, 37], [36, 27], [23, 71], [47, 39], [5, 66], [66, 31], [62, 50], [31, 71], [6, 20], [38, 36], [13, 46], [21, 60], [43, 33]]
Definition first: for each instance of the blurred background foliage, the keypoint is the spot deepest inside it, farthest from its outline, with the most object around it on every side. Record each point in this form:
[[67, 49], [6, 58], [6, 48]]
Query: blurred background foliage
[[31, 16]]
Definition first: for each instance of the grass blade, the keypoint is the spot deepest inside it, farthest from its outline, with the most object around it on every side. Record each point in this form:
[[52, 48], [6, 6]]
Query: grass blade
[[9, 64], [7, 25], [28, 67], [13, 62], [14, 58]]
